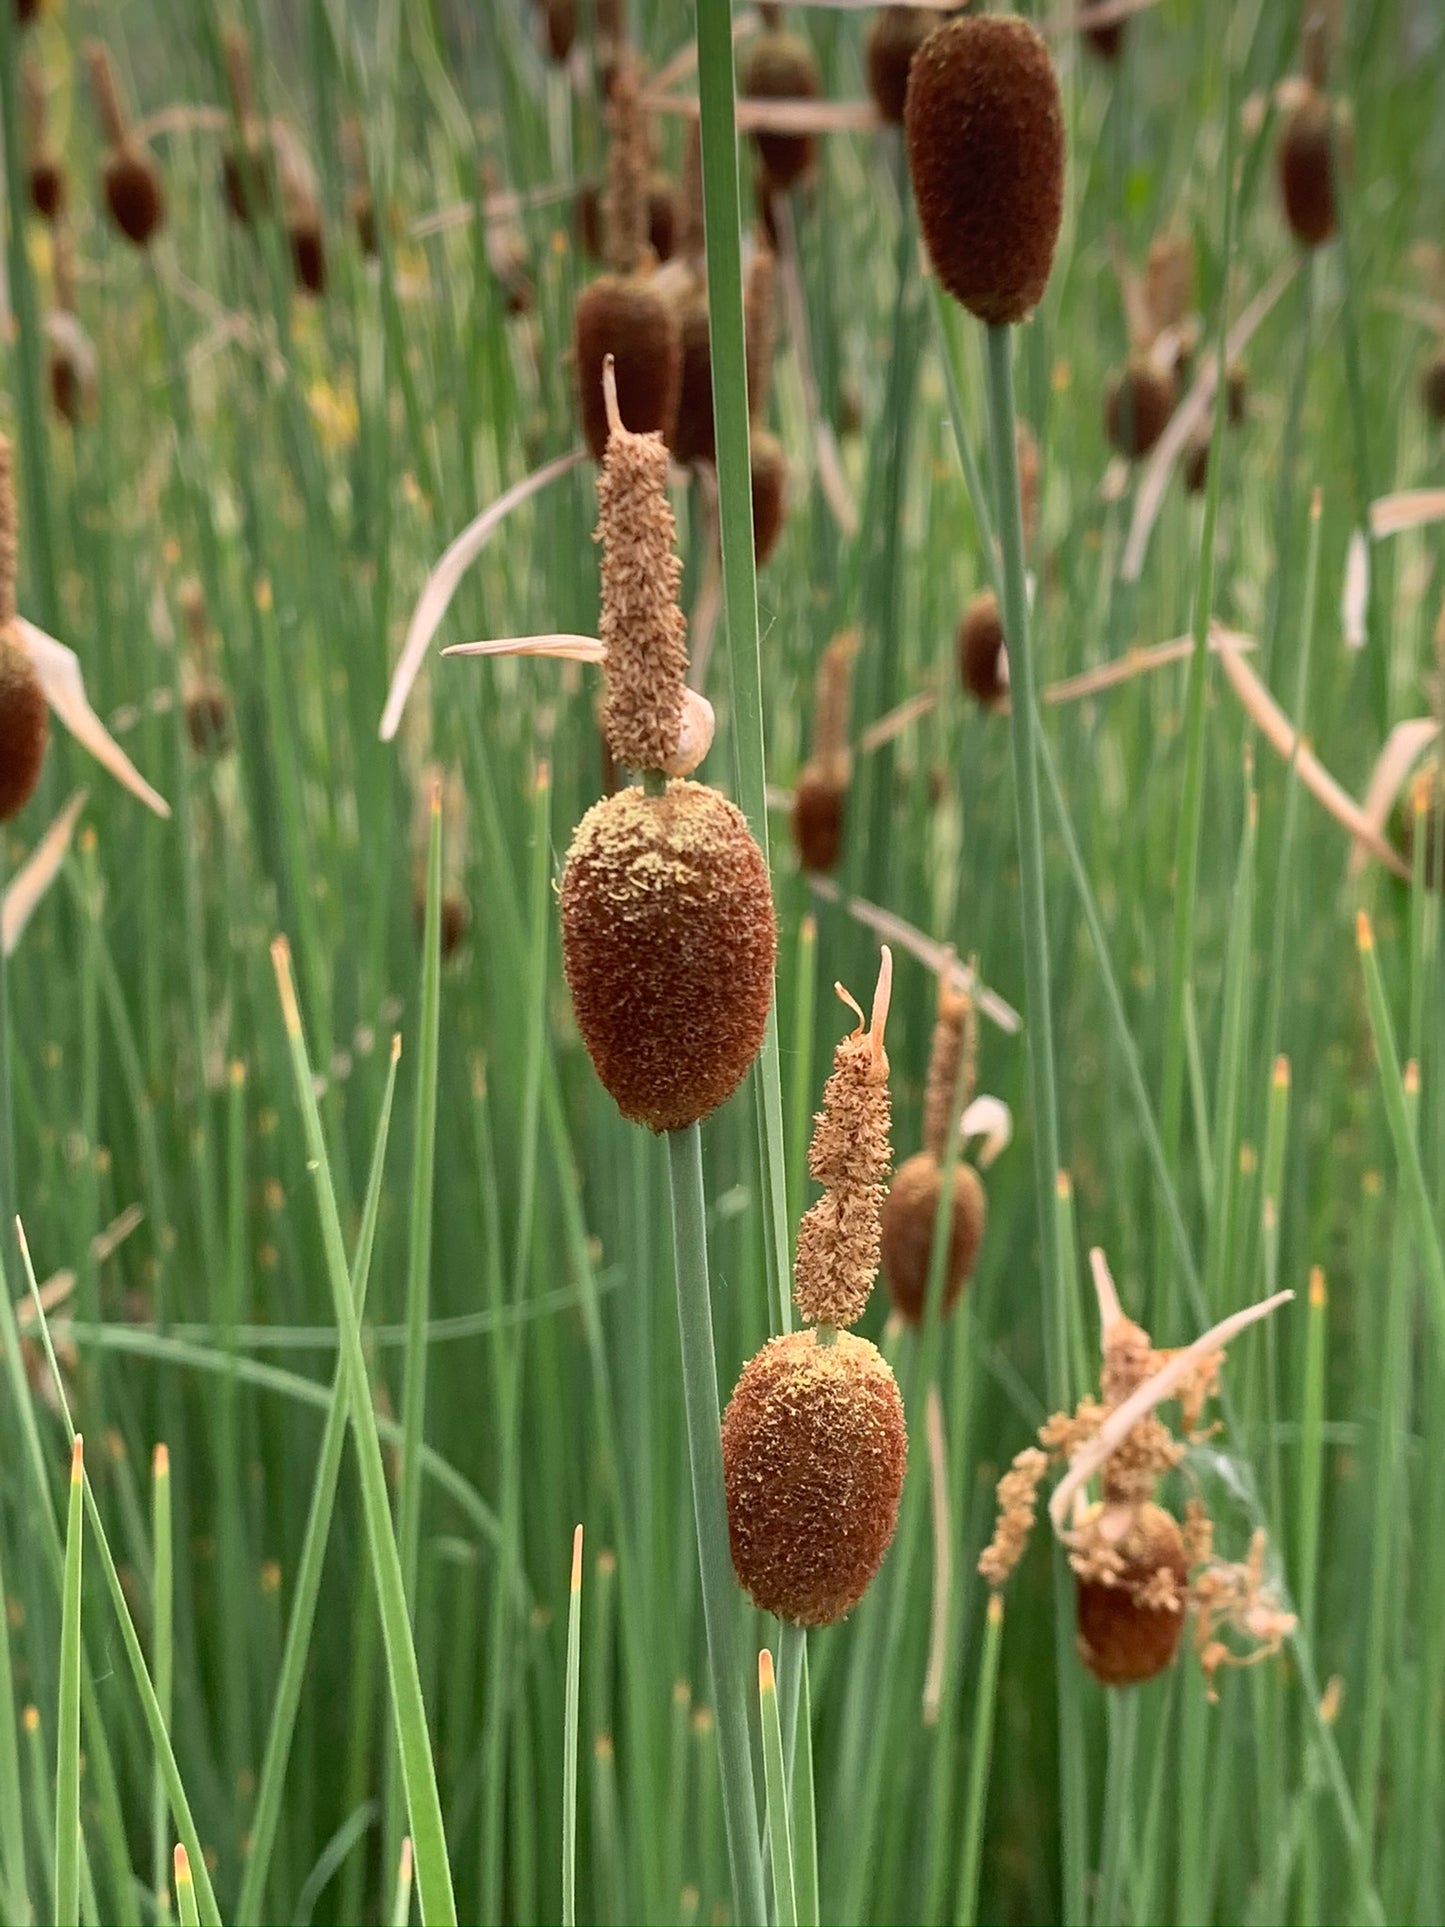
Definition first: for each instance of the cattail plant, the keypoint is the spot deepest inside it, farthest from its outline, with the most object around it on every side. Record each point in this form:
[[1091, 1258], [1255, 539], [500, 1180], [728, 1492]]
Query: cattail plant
[[911, 1213], [821, 793], [72, 367], [24, 714], [1432, 383], [205, 700], [300, 211], [982, 655], [1140, 398], [134, 194], [814, 1440], [781, 66], [1316, 147], [1138, 1572], [45, 177], [894, 38], [245, 185], [456, 913], [624, 314]]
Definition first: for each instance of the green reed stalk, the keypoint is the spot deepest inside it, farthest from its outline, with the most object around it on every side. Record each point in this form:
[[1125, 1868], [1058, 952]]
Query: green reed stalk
[[271, 1786], [15, 1887], [785, 1898], [67, 1731], [163, 1662], [569, 1738], [704, 1439], [428, 1832], [979, 1761], [187, 1907]]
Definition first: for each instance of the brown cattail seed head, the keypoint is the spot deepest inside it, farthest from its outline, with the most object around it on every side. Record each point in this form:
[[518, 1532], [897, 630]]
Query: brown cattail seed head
[[1195, 464], [208, 717], [1432, 385], [781, 66], [818, 805], [26, 10], [1306, 169], [243, 178], [1106, 41], [985, 129], [308, 253], [694, 437], [908, 1220], [1129, 1623], [1137, 407], [951, 1058], [642, 628], [814, 1448], [668, 942], [893, 39], [982, 657], [24, 726], [134, 194], [456, 917], [44, 172], [627, 318], [46, 185], [561, 28], [770, 493]]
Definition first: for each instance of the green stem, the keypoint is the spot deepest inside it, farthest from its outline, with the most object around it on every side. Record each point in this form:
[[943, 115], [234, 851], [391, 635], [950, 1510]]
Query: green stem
[[980, 1760], [704, 1441]]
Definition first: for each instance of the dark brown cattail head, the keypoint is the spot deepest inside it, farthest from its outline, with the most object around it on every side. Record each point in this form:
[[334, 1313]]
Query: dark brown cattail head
[[781, 66], [893, 39], [668, 942], [1137, 407], [134, 194], [694, 437], [308, 252], [1107, 41], [209, 717], [1131, 1605], [362, 209], [626, 317], [982, 657], [1236, 393], [24, 725], [46, 185], [73, 367], [818, 807], [456, 918], [814, 1449], [985, 129], [1195, 463], [643, 632], [26, 10], [1432, 384], [1307, 168], [770, 493], [909, 1217], [560, 28], [44, 171]]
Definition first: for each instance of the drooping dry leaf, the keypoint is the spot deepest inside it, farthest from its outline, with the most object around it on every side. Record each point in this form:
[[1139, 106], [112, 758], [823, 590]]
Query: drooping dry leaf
[[568, 648], [30, 882], [59, 671], [1404, 746], [1412, 508], [441, 584]]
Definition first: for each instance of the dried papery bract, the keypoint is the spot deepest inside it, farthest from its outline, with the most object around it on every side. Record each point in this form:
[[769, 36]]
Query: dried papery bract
[[985, 129], [982, 653], [910, 1214], [24, 716], [643, 630], [130, 178], [1136, 1573], [814, 1449], [839, 1240], [893, 39], [781, 66], [822, 787]]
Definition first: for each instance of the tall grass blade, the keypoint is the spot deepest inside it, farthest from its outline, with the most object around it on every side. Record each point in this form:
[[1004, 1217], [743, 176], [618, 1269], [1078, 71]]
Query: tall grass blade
[[785, 1899], [67, 1731], [569, 1737]]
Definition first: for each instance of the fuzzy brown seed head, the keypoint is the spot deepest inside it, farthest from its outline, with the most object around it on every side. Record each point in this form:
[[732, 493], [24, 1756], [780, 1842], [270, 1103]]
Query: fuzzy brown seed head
[[24, 725], [642, 628], [456, 917], [1106, 41], [1169, 280], [1131, 1594], [770, 493], [668, 941], [1196, 463], [561, 28], [982, 657], [624, 205], [1306, 169], [782, 66], [362, 209], [694, 438], [1432, 384], [308, 253], [243, 177], [985, 128], [818, 809], [1236, 394], [627, 318], [46, 185], [953, 1051], [209, 717], [68, 394], [758, 298], [909, 1217], [814, 1449], [26, 10], [1137, 407], [893, 39], [134, 194]]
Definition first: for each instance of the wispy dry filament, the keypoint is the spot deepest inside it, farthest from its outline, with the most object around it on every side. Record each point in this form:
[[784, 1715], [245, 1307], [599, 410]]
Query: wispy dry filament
[[955, 1046], [839, 1240], [643, 630]]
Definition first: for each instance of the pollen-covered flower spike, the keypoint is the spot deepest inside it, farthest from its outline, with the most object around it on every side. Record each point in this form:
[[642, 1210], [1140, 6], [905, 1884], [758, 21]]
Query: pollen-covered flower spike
[[839, 1240], [1137, 1573]]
